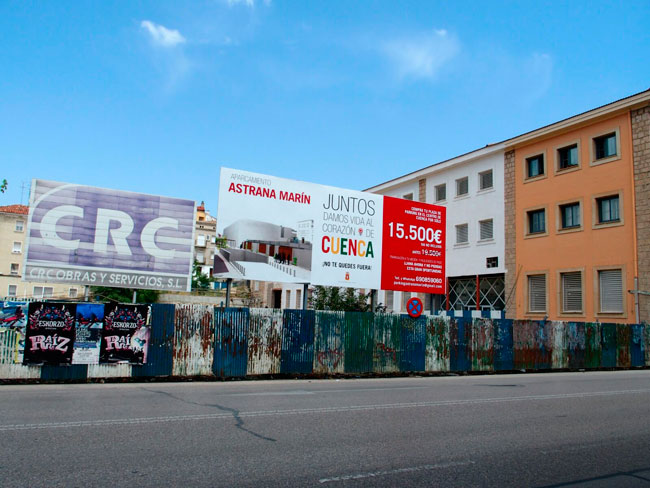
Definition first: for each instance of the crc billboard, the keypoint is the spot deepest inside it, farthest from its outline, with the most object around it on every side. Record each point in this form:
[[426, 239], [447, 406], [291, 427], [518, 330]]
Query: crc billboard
[[95, 236], [291, 231]]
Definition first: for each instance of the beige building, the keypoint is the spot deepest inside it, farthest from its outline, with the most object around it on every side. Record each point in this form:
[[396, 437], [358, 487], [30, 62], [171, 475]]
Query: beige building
[[204, 244], [13, 234]]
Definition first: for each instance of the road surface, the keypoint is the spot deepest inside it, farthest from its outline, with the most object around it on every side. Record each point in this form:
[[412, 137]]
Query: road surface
[[554, 429]]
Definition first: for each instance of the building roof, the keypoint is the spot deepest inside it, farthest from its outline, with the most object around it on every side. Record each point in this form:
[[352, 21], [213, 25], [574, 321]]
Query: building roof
[[15, 209]]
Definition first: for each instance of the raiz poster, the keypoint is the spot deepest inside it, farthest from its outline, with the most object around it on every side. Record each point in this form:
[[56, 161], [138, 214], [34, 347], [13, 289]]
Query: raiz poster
[[50, 333], [88, 336], [126, 333], [13, 322]]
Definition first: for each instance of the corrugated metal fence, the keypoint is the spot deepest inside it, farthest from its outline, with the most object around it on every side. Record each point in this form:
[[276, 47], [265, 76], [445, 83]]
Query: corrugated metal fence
[[199, 340]]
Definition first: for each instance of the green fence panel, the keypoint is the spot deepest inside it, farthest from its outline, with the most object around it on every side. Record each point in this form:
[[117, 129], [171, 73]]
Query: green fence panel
[[359, 342], [437, 349], [387, 343], [329, 342]]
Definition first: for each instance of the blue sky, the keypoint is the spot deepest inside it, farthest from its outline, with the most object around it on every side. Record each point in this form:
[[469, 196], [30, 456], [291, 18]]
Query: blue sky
[[156, 96]]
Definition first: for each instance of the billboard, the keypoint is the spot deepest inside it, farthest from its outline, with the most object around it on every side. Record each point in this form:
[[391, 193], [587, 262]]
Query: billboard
[[95, 236], [283, 230]]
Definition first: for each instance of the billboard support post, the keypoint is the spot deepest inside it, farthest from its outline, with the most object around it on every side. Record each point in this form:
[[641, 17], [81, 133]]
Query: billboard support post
[[305, 290], [373, 300], [86, 293], [228, 286], [135, 296]]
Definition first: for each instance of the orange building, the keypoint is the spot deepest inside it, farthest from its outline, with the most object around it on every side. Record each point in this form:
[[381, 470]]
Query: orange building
[[572, 217]]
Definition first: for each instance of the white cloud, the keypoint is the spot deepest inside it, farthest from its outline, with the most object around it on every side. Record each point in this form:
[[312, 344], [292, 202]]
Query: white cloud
[[248, 3], [161, 35], [421, 57]]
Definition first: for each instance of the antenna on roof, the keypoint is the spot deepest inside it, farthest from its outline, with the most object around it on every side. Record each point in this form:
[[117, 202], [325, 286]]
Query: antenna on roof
[[22, 193]]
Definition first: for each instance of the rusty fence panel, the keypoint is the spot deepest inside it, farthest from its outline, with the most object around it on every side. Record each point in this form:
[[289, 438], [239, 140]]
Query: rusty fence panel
[[264, 341], [608, 346], [503, 345], [193, 351], [576, 344], [413, 343], [358, 342], [646, 336], [387, 347], [297, 341], [437, 343], [329, 350], [482, 344], [637, 346], [231, 342], [593, 346], [623, 337], [533, 344], [460, 343], [560, 353]]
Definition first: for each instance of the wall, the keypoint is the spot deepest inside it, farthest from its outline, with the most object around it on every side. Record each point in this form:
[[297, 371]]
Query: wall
[[586, 248], [195, 340]]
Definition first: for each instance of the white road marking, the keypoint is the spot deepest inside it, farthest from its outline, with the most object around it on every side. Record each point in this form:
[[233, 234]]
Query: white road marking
[[426, 467], [302, 411]]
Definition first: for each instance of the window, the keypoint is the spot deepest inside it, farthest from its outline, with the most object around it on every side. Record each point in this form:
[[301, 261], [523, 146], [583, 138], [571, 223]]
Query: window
[[486, 229], [567, 157], [605, 146], [462, 186], [608, 209], [12, 290], [570, 215], [43, 292], [72, 293], [571, 291], [20, 225], [492, 262], [485, 180], [441, 192], [408, 196], [537, 221], [14, 268], [389, 301], [288, 303], [461, 234], [18, 246], [200, 259], [535, 166], [298, 296], [611, 290], [200, 240], [537, 293]]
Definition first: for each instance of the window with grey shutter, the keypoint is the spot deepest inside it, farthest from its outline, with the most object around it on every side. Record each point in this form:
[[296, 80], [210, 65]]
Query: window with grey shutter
[[485, 180], [486, 229], [537, 293], [441, 192], [462, 186], [571, 292], [611, 290], [408, 196], [461, 234]]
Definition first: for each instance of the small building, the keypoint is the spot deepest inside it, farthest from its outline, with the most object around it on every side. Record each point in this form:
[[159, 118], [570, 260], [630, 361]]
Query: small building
[[205, 239]]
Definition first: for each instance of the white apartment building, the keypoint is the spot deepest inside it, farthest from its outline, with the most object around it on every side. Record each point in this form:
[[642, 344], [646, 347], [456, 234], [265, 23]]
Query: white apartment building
[[471, 187]]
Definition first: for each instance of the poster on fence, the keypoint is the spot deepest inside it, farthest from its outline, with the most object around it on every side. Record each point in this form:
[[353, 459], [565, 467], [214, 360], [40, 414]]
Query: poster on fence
[[281, 230], [13, 322], [126, 333], [50, 333], [88, 333]]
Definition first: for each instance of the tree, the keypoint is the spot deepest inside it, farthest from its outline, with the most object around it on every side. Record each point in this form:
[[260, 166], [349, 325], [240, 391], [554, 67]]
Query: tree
[[123, 295], [335, 298], [200, 281], [3, 186]]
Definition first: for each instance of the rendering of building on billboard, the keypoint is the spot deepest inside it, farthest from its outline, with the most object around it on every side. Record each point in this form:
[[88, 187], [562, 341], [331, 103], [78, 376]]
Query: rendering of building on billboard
[[290, 231], [95, 236]]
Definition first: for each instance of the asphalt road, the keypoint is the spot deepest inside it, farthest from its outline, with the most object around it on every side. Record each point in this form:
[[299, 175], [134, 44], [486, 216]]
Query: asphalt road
[[555, 429]]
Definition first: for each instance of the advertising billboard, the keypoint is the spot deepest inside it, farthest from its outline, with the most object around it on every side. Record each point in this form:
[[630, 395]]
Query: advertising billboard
[[283, 230], [95, 236]]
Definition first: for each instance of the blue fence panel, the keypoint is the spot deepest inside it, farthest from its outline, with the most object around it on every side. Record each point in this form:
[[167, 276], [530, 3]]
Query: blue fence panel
[[231, 341], [414, 343], [297, 341], [160, 353], [72, 372], [503, 345], [576, 344], [608, 346], [637, 349], [460, 341]]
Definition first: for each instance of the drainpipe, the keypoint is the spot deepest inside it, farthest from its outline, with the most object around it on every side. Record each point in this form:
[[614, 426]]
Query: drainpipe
[[478, 294], [305, 289], [228, 285], [447, 298]]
